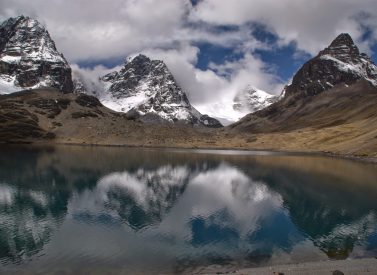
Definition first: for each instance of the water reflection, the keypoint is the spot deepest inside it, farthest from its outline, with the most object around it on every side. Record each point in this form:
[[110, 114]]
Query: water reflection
[[27, 220], [66, 207], [138, 199]]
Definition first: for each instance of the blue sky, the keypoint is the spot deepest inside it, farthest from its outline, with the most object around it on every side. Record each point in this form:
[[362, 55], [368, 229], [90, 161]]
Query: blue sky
[[284, 61]]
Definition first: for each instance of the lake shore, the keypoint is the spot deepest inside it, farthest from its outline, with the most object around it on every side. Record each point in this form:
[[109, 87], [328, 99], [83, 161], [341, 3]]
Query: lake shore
[[215, 147], [78, 123], [339, 267]]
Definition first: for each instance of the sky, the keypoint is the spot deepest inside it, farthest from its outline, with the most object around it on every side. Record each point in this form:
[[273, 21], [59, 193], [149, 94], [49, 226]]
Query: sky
[[214, 48]]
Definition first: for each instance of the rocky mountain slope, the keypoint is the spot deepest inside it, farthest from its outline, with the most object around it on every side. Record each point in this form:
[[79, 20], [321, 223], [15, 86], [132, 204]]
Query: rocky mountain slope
[[29, 58], [47, 115], [37, 115], [325, 91], [146, 89]]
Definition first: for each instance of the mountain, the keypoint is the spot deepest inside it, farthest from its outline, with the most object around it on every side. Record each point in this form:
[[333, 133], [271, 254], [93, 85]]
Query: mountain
[[339, 63], [230, 109], [251, 99], [146, 89], [46, 115], [143, 88], [29, 58], [349, 79]]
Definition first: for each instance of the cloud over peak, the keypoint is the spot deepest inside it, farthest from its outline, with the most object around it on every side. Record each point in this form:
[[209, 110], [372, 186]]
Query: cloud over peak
[[248, 40]]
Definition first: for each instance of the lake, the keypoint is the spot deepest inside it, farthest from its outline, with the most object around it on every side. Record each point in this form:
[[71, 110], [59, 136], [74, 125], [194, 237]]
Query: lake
[[143, 211]]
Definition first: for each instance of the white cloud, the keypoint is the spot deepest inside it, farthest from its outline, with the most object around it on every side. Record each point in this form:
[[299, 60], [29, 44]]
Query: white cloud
[[212, 91], [90, 77], [101, 29], [170, 29], [312, 25], [208, 90], [201, 86]]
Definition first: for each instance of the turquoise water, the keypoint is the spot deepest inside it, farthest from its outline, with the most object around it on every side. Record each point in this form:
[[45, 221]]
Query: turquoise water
[[96, 209]]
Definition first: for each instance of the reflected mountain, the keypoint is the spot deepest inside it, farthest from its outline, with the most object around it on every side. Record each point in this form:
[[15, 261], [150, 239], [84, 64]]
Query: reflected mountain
[[27, 221], [334, 204], [138, 199]]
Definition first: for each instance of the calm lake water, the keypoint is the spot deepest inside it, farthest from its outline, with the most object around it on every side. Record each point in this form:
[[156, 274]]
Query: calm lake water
[[171, 211]]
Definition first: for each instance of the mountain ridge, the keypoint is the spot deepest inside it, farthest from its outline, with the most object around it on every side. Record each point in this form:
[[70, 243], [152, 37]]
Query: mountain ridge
[[339, 63], [311, 92]]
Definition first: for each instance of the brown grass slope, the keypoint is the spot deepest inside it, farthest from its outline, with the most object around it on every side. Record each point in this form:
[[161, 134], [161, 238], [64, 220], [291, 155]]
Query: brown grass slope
[[341, 120], [333, 107], [47, 115]]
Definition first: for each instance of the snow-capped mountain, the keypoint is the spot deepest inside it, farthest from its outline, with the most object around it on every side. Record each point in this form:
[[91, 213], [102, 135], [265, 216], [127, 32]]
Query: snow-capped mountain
[[29, 58], [247, 100], [251, 99], [340, 63], [146, 89]]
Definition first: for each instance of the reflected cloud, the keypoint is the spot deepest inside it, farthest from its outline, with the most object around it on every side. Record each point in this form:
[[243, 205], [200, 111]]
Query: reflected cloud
[[139, 199], [6, 194], [177, 210]]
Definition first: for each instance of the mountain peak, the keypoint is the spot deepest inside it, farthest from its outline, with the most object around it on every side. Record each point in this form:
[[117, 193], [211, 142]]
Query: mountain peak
[[145, 88], [342, 48], [29, 57], [139, 58], [20, 17], [342, 39], [340, 63]]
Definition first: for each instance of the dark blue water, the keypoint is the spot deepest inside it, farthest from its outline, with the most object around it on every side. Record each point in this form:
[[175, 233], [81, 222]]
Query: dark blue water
[[102, 209]]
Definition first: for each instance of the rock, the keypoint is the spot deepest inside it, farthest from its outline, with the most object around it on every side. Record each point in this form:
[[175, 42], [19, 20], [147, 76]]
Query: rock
[[18, 124], [210, 122], [87, 101], [52, 107], [132, 114]]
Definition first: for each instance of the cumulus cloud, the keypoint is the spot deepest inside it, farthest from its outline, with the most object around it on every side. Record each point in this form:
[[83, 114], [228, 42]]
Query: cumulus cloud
[[171, 30], [312, 25], [200, 85], [101, 29], [212, 91], [90, 77]]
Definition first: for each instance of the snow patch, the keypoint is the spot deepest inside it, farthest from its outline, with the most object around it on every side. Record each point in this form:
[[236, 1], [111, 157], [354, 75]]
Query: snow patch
[[360, 68]]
